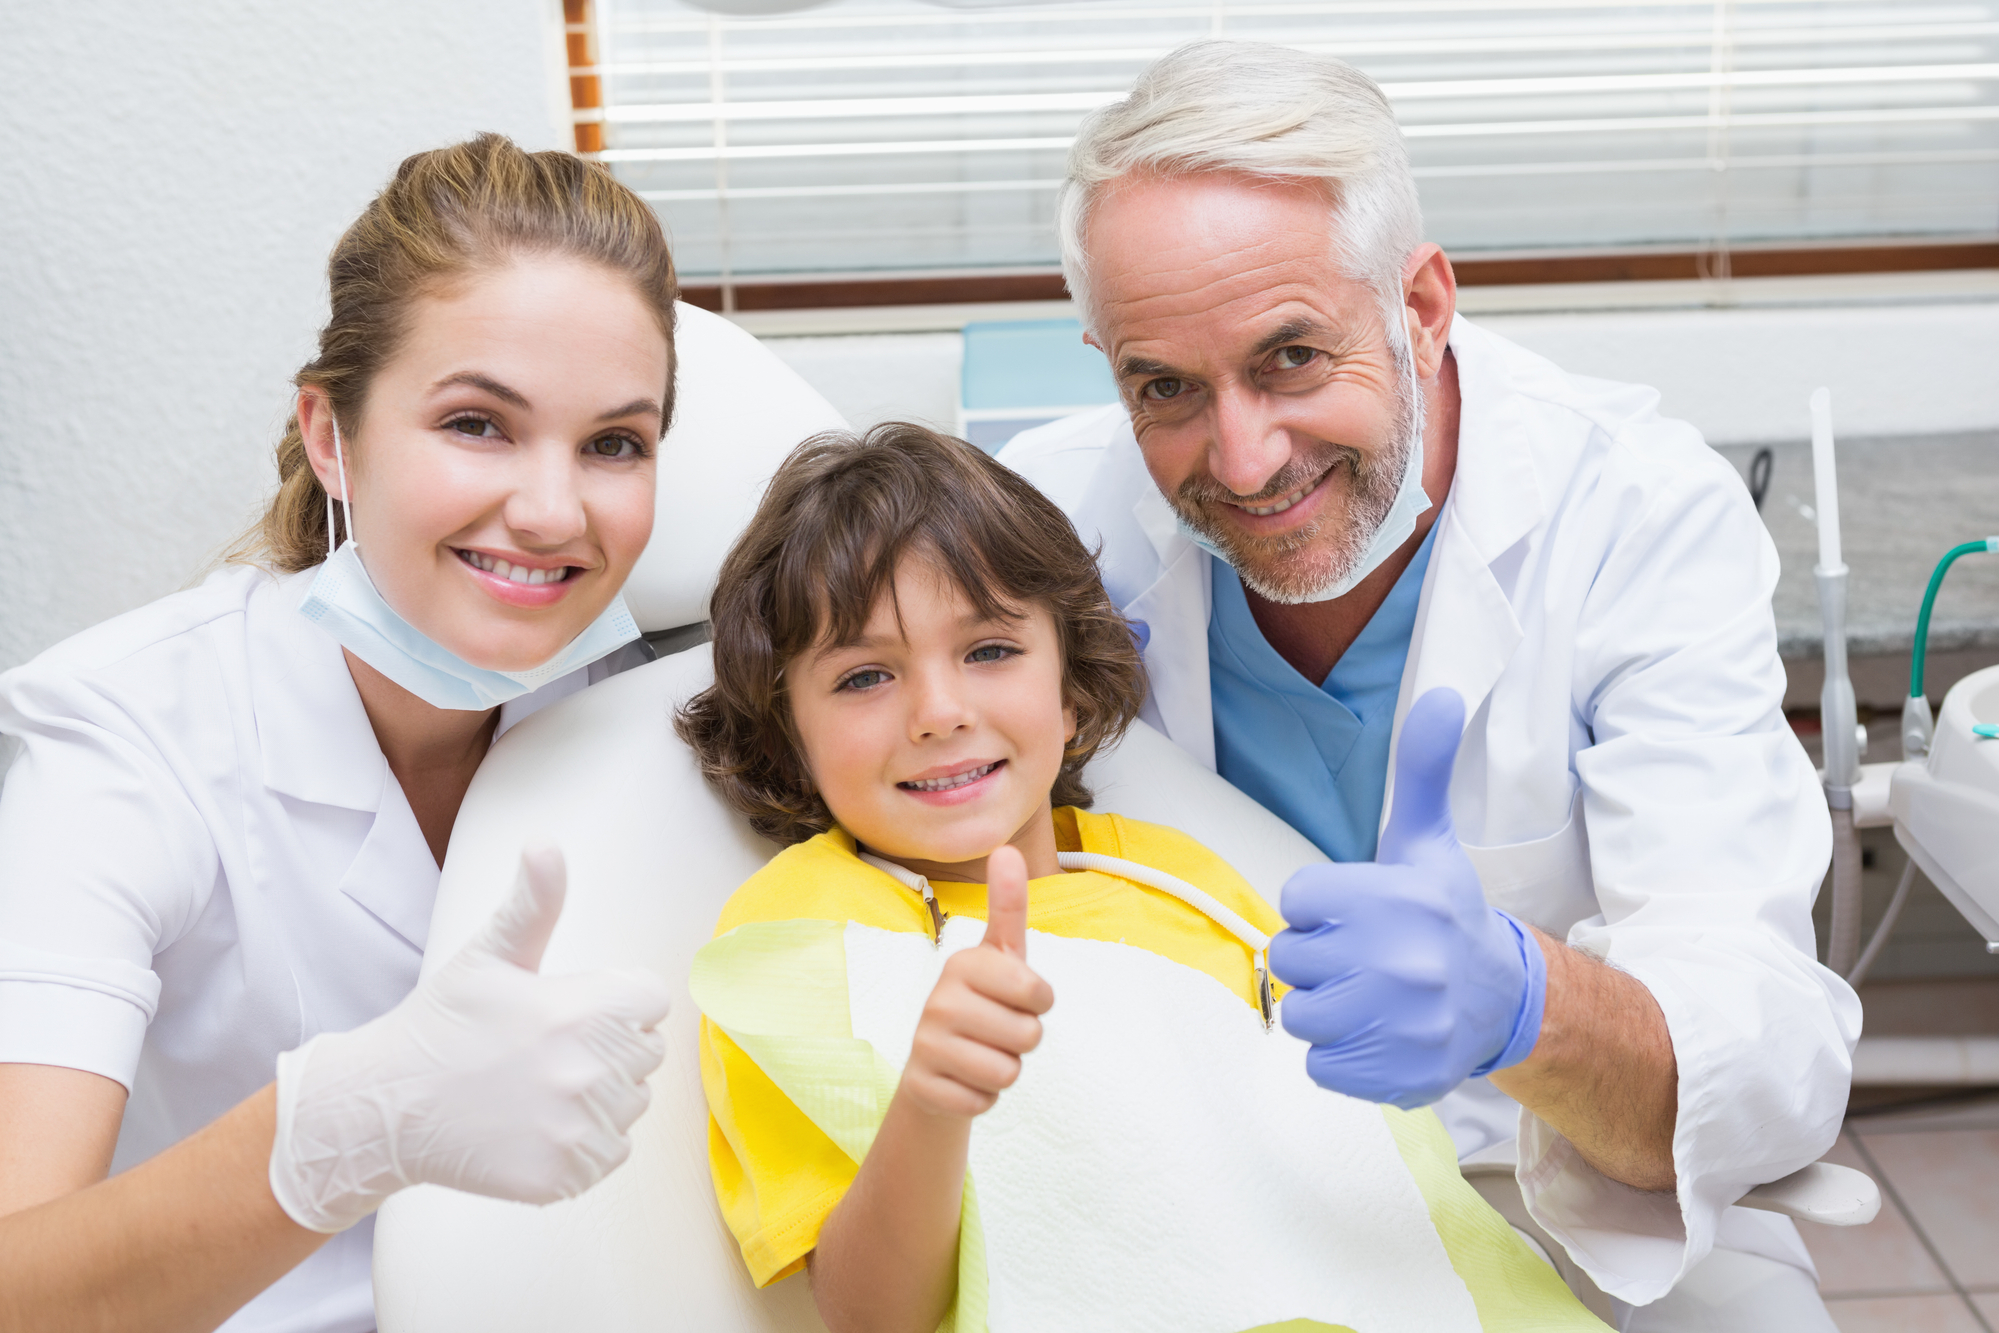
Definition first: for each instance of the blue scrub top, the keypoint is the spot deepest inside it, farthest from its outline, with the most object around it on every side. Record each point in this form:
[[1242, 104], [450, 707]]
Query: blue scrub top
[[1314, 755]]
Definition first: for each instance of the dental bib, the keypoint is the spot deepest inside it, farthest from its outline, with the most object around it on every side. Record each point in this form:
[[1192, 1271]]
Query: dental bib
[[1162, 1162]]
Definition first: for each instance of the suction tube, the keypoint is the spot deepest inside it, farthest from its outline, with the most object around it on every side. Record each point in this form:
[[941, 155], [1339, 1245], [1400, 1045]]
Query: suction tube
[[1918, 725]]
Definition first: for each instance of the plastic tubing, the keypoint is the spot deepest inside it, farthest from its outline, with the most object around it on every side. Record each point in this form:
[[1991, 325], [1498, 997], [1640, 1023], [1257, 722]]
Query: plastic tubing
[[1930, 601]]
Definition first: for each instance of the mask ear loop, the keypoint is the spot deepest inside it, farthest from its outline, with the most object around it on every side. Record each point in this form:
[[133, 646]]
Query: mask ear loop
[[346, 497]]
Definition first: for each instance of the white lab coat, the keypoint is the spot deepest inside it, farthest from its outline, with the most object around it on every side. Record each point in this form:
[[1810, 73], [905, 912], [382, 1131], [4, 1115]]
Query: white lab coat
[[205, 861], [1599, 593]]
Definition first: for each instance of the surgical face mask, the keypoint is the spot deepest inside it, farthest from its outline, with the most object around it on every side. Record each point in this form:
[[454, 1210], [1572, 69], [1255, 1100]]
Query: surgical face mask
[[344, 602], [1395, 527]]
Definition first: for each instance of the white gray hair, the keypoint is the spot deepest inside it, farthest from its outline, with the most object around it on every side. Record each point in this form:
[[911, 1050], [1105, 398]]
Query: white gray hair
[[1259, 110]]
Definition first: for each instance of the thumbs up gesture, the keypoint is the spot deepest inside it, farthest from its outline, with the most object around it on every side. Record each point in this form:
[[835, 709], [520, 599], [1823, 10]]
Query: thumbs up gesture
[[1405, 980], [488, 1078], [984, 1014]]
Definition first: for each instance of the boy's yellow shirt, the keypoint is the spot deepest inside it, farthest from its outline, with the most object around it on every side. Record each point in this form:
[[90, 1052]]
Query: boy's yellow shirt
[[777, 1174]]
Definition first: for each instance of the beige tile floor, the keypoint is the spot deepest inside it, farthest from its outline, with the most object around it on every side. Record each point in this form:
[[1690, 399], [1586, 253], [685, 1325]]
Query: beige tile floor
[[1930, 1262]]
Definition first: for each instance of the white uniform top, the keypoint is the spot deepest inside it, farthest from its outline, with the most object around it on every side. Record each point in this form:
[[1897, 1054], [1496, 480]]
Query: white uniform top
[[204, 862], [1599, 593]]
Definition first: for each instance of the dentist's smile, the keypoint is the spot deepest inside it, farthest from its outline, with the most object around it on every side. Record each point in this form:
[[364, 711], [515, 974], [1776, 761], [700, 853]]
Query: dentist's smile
[[1272, 508], [519, 581]]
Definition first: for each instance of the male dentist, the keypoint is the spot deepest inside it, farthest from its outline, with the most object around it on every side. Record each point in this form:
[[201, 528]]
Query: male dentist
[[1324, 496]]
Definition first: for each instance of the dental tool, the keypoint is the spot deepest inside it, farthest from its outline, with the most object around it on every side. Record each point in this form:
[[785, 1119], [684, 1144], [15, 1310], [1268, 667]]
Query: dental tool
[[1838, 716]]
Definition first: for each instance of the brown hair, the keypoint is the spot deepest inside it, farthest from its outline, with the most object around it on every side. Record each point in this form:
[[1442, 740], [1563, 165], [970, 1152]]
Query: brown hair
[[449, 212], [839, 516]]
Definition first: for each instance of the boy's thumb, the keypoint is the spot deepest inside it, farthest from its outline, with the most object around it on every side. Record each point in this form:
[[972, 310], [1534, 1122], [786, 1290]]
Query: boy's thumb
[[1423, 761], [1006, 901], [519, 930]]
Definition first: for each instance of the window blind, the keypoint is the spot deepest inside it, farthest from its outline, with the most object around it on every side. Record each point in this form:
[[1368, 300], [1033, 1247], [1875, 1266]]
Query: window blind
[[891, 136]]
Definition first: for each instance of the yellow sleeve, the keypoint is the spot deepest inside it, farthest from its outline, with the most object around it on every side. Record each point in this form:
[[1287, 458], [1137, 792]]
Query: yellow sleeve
[[776, 1173]]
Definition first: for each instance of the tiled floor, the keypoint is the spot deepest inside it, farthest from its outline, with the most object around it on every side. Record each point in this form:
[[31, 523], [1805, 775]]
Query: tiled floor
[[1930, 1261]]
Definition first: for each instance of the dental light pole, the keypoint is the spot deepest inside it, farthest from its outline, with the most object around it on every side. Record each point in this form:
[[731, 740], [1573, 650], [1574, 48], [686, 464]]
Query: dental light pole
[[1839, 723]]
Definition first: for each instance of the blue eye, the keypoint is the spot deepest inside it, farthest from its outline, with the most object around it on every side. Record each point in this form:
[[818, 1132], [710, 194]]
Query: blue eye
[[990, 652], [865, 679]]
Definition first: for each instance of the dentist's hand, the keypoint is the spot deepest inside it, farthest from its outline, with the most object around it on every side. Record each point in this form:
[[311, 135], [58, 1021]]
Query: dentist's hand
[[1406, 980], [985, 1011], [487, 1078]]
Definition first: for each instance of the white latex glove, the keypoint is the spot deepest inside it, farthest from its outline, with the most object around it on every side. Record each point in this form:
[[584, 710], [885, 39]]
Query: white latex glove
[[487, 1078]]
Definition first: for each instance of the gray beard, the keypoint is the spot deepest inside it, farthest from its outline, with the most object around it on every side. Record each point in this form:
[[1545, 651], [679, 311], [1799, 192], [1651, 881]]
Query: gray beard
[[1304, 565]]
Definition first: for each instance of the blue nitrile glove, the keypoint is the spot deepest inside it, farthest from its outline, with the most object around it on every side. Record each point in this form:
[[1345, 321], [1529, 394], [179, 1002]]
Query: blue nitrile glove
[[1407, 981]]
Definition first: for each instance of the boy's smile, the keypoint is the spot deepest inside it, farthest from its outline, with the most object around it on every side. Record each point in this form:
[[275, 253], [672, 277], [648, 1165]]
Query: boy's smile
[[961, 783], [937, 735]]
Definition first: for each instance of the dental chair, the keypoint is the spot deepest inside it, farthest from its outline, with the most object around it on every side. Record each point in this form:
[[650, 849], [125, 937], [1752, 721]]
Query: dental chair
[[653, 855]]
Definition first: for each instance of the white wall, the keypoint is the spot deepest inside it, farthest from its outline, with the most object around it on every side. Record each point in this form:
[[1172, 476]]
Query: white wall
[[1743, 376], [175, 177]]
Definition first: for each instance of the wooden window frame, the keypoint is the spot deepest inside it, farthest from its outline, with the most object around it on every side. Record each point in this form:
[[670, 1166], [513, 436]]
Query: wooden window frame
[[586, 86]]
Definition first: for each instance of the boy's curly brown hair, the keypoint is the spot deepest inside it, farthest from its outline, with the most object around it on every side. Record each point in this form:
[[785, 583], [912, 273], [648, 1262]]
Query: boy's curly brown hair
[[840, 515]]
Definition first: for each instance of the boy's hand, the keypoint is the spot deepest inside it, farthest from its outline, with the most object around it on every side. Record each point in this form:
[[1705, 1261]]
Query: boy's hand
[[984, 1013]]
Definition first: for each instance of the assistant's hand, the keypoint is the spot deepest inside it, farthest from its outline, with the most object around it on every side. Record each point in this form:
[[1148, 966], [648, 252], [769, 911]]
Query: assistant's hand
[[985, 1011], [1406, 980], [487, 1078]]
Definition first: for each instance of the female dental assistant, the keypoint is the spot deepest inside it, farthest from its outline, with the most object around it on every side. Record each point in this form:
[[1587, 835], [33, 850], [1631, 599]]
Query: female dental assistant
[[220, 844]]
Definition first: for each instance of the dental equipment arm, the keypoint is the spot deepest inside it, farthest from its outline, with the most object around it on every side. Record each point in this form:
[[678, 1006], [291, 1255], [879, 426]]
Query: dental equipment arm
[[887, 1255], [1839, 726]]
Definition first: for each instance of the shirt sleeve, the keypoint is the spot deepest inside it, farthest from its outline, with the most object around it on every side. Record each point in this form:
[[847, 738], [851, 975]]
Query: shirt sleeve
[[104, 860], [1708, 838], [777, 1175]]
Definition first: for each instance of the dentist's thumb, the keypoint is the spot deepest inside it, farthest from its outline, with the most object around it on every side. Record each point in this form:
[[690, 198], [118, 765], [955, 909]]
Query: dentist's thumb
[[518, 931], [1006, 902], [1421, 815]]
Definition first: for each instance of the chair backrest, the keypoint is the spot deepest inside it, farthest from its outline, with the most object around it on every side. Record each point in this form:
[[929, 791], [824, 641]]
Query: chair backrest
[[738, 411], [653, 855]]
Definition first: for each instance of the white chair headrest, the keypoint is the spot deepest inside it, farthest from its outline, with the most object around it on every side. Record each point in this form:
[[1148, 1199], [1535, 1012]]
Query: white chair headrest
[[738, 411]]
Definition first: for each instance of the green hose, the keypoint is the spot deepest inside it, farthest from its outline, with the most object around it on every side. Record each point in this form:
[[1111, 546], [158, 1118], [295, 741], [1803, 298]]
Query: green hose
[[1930, 600]]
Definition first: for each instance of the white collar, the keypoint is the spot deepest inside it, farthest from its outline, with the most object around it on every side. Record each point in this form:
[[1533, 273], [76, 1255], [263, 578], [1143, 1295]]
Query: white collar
[[1495, 492], [312, 730]]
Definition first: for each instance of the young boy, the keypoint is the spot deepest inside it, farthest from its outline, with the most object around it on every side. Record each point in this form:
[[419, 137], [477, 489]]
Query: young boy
[[914, 660]]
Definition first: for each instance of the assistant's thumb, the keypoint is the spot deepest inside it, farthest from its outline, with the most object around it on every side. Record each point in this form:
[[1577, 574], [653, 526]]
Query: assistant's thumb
[[519, 930], [1423, 762]]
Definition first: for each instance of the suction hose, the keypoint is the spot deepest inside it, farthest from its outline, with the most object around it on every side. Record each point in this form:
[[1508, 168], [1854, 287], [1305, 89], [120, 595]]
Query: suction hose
[[1918, 727], [1918, 724]]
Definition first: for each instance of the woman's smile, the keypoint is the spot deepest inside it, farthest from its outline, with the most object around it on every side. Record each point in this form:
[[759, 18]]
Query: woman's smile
[[517, 582]]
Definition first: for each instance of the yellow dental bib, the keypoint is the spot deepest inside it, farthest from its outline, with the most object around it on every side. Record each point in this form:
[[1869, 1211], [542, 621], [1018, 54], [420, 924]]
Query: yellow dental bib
[[1163, 1162]]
